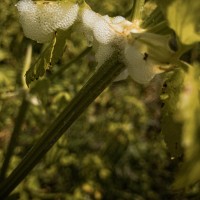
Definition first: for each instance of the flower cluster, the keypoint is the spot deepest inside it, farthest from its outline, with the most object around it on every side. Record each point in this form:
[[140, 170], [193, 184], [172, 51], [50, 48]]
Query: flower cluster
[[143, 53]]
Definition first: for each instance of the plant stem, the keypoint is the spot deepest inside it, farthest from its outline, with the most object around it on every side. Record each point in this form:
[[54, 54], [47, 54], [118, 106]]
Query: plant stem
[[20, 118], [27, 64], [153, 19], [137, 9], [63, 68], [14, 137], [92, 89]]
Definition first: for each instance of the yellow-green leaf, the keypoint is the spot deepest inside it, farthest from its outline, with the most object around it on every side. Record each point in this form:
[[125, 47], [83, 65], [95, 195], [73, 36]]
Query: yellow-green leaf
[[184, 18], [48, 58]]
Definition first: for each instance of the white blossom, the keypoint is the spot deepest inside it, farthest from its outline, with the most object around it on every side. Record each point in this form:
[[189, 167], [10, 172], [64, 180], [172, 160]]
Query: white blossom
[[99, 27], [42, 18], [139, 68], [143, 53]]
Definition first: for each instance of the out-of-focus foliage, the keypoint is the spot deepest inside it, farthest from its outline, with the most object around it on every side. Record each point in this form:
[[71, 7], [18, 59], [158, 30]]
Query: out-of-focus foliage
[[171, 127], [111, 7], [105, 158], [180, 122], [10, 39], [184, 19], [189, 115], [184, 22], [115, 149]]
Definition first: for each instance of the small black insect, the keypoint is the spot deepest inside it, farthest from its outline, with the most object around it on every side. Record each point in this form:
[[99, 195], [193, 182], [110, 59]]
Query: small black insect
[[145, 56]]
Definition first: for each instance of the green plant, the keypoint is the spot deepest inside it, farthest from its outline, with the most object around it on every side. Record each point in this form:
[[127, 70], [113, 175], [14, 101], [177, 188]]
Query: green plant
[[143, 48]]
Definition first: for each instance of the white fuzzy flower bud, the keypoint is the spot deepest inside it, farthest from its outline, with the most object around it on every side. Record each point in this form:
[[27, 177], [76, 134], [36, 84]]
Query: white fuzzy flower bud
[[139, 67], [146, 55], [104, 32], [143, 53], [98, 26], [103, 53], [99, 31], [42, 18]]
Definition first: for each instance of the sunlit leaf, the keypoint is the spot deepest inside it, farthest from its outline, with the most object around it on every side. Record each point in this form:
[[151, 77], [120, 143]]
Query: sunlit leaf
[[171, 127], [189, 114], [184, 18], [48, 58]]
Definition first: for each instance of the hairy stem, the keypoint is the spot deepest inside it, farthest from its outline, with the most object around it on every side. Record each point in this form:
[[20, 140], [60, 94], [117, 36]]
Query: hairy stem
[[93, 88]]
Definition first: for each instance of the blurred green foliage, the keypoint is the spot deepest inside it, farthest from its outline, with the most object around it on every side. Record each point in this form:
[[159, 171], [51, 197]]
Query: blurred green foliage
[[115, 149], [183, 17]]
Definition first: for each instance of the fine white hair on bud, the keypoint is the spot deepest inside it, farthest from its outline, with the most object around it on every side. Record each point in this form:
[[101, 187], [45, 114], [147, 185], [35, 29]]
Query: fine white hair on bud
[[144, 54], [42, 18], [103, 53], [156, 45], [139, 67], [99, 31], [98, 25], [119, 24]]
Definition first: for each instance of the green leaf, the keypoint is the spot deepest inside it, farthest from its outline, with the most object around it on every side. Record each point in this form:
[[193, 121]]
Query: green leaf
[[184, 18], [189, 115], [170, 125], [41, 90], [163, 5], [48, 58]]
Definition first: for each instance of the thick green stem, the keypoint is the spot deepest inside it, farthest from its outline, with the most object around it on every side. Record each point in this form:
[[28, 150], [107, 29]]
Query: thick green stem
[[93, 88], [14, 137]]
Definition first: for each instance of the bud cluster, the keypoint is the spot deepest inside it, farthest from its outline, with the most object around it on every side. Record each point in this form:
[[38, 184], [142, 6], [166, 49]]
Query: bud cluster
[[143, 53]]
